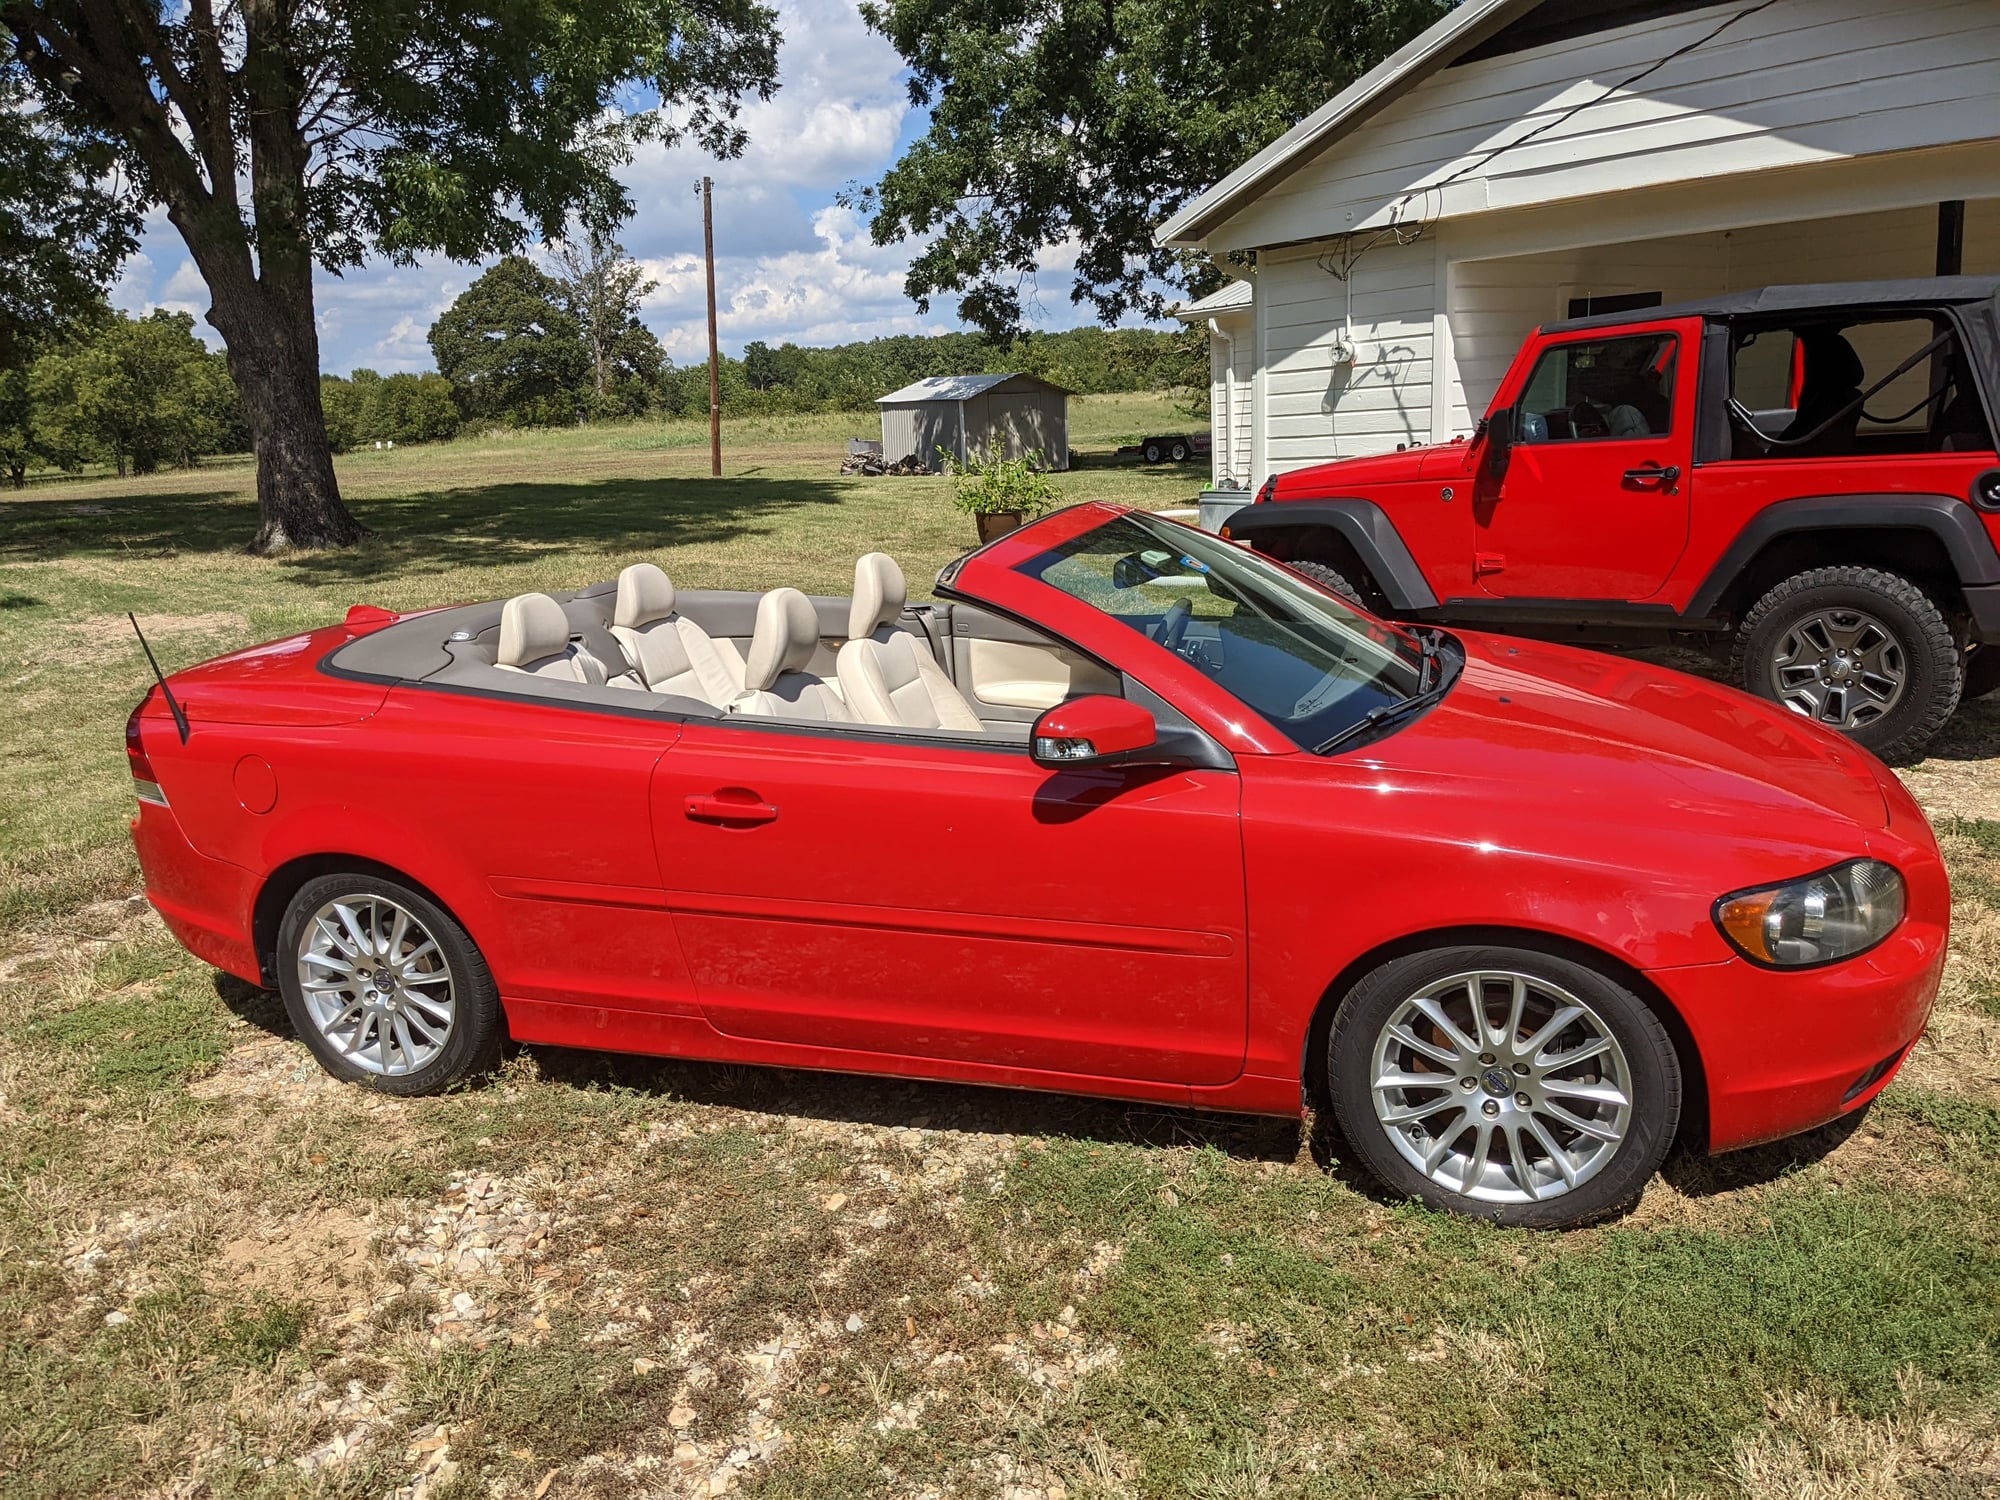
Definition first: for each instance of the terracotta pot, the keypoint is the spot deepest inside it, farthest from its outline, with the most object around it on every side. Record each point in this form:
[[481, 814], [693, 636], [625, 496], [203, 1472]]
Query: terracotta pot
[[998, 523]]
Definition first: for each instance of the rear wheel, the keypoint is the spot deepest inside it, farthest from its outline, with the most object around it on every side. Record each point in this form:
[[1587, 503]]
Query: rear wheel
[[1331, 579], [384, 987], [1179, 452], [1859, 650], [1505, 1084]]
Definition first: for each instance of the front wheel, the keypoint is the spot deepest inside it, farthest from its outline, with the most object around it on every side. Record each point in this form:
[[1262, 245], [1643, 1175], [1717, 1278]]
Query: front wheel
[[1152, 453], [384, 987], [1856, 649], [1504, 1084]]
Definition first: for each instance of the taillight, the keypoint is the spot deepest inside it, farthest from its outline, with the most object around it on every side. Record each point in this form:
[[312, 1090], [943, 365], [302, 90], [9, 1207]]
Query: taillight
[[145, 783], [1268, 492]]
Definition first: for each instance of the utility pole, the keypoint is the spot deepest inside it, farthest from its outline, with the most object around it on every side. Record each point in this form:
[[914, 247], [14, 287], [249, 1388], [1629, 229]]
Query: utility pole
[[714, 357]]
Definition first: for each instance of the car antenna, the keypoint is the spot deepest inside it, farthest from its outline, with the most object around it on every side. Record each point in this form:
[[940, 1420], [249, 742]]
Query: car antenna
[[180, 716]]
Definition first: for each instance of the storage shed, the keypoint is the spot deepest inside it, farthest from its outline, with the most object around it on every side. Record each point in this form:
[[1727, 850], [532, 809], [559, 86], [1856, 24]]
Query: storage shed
[[1010, 415]]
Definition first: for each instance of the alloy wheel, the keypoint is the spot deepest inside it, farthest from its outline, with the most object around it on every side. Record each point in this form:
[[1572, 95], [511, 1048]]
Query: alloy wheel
[[376, 984], [1839, 666], [1501, 1086]]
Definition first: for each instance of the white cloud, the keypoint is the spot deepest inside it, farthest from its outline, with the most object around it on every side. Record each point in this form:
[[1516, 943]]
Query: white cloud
[[791, 263]]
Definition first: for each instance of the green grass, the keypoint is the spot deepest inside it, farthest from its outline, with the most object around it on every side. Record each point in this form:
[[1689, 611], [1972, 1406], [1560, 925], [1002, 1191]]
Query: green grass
[[1260, 1321]]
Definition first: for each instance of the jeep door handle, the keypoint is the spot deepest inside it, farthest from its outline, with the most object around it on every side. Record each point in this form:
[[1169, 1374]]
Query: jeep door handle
[[716, 808], [1648, 473]]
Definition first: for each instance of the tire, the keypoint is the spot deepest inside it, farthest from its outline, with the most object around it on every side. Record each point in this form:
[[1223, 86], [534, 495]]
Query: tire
[[1982, 673], [1331, 579], [435, 1018], [1562, 1176], [1888, 671], [1179, 452], [1152, 453]]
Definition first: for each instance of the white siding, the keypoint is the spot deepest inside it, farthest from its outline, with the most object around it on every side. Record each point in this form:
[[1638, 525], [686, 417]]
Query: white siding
[[1494, 304], [1231, 408], [1803, 81], [1314, 408]]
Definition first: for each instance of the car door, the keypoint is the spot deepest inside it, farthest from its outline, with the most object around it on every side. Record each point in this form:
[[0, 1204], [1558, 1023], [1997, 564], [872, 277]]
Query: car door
[[864, 890], [1594, 501]]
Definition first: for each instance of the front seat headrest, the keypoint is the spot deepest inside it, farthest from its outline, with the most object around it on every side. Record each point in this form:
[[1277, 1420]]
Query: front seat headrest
[[879, 592], [532, 626], [645, 594], [783, 639]]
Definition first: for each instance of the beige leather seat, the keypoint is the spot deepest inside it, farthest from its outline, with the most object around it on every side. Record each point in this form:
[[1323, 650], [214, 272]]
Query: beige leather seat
[[534, 640], [781, 643], [887, 676], [668, 651]]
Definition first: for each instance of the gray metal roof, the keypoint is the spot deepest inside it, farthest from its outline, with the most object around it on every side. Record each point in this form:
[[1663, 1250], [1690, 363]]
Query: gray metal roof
[[960, 388], [1231, 297]]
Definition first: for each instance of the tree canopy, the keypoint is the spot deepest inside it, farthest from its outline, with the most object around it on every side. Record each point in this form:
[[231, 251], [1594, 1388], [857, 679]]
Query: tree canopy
[[601, 287], [67, 219], [1090, 121], [284, 134]]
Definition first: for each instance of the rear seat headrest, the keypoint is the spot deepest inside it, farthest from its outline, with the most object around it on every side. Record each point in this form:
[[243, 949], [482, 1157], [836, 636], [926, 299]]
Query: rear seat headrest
[[783, 639], [879, 592], [532, 626], [645, 594]]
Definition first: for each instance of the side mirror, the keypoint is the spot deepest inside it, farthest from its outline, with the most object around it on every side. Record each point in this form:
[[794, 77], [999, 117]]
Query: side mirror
[[1499, 440], [1096, 731]]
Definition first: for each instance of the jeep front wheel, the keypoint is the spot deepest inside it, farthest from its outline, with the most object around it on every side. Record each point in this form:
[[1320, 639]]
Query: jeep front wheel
[[1331, 579], [1858, 650]]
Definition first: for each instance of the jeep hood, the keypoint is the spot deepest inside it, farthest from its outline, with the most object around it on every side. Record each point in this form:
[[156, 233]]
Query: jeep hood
[[1571, 727]]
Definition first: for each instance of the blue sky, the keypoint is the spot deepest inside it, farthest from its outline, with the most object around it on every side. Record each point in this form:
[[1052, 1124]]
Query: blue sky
[[790, 263]]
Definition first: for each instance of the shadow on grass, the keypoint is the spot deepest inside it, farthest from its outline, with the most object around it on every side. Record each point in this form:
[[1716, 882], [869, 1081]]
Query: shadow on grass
[[858, 1099], [431, 531]]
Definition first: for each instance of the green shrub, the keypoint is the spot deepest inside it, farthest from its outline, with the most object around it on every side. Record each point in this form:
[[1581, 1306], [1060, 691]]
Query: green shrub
[[986, 484]]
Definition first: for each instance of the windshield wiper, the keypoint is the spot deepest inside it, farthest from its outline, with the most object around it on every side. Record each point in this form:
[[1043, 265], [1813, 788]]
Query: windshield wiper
[[1427, 642], [1387, 713]]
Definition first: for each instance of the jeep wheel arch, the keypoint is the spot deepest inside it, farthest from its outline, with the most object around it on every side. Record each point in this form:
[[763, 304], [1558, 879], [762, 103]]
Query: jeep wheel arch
[[1936, 540], [1335, 531]]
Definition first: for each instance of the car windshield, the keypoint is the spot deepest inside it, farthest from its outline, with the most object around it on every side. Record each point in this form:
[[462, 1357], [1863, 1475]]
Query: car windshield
[[1300, 657]]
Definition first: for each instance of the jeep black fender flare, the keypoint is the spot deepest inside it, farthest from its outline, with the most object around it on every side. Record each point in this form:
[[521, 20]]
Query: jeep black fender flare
[[1362, 524], [1954, 523]]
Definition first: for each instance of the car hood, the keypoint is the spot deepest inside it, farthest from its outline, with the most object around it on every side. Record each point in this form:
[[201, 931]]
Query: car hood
[[1565, 725], [1323, 480]]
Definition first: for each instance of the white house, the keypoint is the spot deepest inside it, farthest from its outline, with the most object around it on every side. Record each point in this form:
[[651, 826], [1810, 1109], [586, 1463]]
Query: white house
[[1526, 160]]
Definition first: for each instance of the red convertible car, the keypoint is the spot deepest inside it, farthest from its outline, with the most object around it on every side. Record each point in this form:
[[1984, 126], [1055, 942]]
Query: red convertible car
[[1130, 811]]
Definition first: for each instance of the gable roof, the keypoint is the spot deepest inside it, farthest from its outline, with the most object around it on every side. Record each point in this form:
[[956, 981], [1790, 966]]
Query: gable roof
[[964, 388], [1459, 32]]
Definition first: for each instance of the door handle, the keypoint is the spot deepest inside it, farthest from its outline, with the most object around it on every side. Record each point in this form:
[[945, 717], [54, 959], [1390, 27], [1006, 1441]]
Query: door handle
[[1666, 474], [715, 808]]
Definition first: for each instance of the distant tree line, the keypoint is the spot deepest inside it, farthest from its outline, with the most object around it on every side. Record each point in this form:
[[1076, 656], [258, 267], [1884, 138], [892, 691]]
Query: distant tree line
[[528, 347], [137, 394]]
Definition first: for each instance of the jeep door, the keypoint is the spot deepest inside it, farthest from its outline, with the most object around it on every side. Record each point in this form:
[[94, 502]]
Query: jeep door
[[1594, 500]]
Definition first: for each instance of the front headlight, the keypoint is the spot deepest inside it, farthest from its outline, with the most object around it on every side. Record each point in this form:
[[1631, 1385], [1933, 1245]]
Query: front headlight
[[1818, 919]]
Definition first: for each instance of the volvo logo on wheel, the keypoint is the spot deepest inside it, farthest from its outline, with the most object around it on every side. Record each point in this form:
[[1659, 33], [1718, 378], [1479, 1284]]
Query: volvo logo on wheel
[[1498, 1084]]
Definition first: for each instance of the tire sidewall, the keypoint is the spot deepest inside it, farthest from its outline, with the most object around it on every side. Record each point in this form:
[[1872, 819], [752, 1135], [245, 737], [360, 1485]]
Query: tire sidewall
[[1649, 1052], [477, 1025], [1931, 656]]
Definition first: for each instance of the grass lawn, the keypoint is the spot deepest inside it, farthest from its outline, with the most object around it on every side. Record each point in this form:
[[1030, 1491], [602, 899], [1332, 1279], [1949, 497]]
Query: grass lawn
[[221, 1273]]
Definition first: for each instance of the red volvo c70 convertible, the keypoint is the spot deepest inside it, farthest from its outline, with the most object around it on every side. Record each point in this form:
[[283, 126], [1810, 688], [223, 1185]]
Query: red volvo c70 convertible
[[1130, 811]]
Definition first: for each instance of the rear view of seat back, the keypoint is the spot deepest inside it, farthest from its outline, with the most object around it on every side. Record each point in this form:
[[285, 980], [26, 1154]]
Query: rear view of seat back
[[534, 639], [670, 653], [888, 676], [781, 643]]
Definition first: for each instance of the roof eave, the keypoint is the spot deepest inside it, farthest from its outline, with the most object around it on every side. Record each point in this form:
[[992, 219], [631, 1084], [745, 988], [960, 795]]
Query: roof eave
[[1458, 32]]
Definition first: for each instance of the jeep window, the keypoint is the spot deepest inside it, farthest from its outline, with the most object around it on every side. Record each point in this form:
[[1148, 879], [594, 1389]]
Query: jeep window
[[1888, 385], [1600, 390]]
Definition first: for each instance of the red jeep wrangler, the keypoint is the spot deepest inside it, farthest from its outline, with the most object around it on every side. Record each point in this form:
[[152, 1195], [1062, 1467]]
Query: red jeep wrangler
[[1801, 480]]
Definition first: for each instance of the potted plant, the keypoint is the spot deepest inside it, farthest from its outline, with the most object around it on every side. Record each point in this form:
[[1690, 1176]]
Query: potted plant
[[1000, 493]]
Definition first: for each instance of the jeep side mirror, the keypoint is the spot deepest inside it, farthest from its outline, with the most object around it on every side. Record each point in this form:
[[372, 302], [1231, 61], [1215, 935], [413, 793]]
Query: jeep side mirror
[[1499, 441], [1096, 731]]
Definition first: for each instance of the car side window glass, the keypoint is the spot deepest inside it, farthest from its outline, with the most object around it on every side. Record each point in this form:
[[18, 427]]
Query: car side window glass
[[1601, 389]]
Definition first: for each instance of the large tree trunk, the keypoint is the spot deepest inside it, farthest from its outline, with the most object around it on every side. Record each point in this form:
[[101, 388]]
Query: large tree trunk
[[274, 360]]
